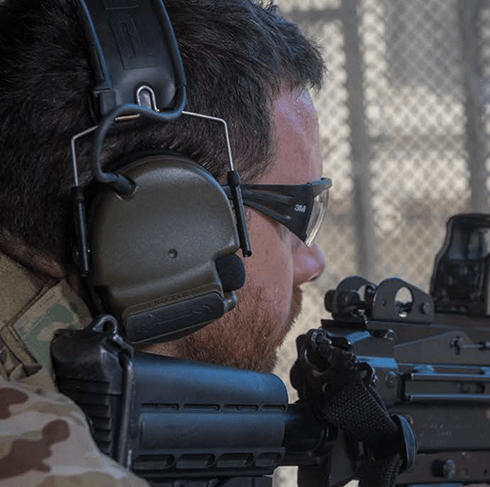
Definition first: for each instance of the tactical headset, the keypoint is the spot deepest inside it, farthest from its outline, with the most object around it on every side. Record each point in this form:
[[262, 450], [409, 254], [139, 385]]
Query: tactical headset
[[158, 241]]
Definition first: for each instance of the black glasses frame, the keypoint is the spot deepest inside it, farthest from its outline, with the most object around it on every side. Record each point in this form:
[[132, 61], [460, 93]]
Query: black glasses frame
[[290, 205]]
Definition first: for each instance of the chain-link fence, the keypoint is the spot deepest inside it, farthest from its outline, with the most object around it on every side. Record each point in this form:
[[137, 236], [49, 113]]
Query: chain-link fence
[[404, 122], [403, 127]]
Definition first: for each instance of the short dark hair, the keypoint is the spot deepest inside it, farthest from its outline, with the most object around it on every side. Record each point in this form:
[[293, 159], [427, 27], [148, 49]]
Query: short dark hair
[[238, 56]]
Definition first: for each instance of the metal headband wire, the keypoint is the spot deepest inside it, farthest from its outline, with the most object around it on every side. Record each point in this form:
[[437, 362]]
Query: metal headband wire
[[225, 126], [74, 152]]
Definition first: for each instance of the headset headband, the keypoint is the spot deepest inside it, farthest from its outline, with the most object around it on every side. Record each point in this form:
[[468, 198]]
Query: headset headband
[[133, 55]]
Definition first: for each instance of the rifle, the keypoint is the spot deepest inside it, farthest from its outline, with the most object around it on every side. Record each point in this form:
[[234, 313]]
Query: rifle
[[179, 423], [429, 355]]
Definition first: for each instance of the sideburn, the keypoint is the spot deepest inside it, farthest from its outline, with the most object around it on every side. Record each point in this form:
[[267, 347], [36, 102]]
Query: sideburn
[[240, 339]]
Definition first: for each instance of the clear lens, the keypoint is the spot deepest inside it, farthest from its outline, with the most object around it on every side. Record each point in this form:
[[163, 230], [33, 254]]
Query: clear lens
[[318, 212]]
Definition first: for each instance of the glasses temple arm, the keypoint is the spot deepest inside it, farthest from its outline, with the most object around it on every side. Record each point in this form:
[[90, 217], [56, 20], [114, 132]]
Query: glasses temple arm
[[236, 195]]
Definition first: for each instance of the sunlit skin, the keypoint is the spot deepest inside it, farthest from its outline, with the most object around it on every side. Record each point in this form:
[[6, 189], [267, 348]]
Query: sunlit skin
[[249, 335]]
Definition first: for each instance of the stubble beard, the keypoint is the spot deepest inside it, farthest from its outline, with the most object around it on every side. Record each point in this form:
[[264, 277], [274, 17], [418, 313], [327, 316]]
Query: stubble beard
[[246, 338]]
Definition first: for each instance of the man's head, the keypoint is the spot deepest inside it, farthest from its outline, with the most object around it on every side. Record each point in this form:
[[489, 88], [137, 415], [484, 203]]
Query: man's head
[[237, 57], [242, 63]]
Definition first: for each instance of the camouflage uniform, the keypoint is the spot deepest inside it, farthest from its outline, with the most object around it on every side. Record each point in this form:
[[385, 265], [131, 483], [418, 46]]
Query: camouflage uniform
[[44, 437]]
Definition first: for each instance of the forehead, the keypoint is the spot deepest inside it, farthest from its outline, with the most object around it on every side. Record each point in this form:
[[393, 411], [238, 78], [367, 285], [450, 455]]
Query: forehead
[[296, 129]]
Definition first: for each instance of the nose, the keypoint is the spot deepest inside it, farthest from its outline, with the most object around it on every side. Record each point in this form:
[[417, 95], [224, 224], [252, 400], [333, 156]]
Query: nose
[[308, 264]]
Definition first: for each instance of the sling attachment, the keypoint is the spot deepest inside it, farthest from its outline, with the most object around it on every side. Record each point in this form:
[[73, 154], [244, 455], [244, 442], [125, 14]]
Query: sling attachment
[[342, 393]]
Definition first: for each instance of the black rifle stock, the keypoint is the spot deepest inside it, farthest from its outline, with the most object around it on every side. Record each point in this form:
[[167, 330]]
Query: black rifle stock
[[179, 423]]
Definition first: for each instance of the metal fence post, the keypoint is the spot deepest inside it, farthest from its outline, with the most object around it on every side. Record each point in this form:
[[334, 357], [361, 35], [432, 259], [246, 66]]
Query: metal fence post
[[476, 144], [361, 146]]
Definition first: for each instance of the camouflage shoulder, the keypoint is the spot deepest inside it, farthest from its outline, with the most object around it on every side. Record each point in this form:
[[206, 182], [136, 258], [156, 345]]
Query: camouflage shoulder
[[45, 441]]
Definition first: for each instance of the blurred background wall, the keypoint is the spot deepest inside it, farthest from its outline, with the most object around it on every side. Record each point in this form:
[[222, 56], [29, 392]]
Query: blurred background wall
[[404, 125]]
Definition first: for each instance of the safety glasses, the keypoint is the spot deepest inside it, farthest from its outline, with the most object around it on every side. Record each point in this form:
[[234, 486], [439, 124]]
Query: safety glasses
[[300, 208]]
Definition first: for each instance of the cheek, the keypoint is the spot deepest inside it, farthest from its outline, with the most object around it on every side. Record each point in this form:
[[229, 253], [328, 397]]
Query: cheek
[[271, 266]]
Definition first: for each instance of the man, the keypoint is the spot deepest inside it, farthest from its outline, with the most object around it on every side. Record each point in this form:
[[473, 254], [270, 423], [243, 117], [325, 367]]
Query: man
[[244, 64]]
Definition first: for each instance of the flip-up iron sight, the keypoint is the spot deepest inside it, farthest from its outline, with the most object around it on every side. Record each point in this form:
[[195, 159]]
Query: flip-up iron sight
[[357, 299]]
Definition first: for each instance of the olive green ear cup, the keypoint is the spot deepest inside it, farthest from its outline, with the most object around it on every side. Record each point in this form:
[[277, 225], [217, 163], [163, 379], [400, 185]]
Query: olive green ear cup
[[154, 253]]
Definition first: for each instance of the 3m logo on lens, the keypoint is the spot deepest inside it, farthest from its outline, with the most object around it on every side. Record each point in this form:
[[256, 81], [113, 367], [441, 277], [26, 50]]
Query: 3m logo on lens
[[300, 208]]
